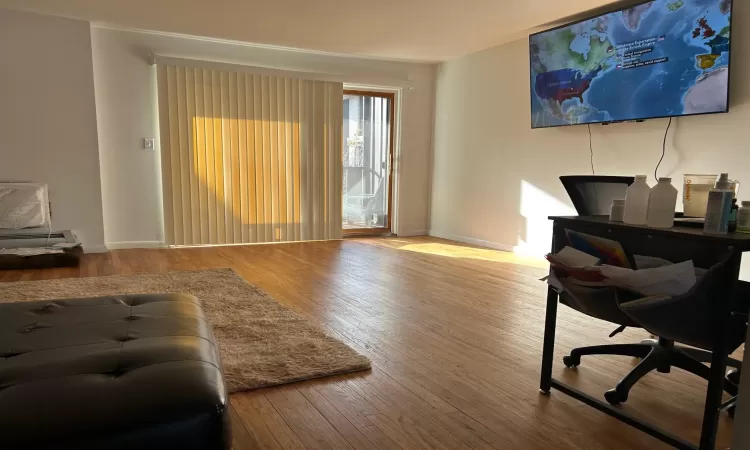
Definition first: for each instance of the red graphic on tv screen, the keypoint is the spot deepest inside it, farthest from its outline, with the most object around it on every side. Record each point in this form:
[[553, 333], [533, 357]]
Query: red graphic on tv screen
[[707, 30], [572, 92]]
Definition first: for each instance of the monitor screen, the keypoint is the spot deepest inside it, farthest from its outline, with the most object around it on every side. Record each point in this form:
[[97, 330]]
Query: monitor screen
[[662, 58]]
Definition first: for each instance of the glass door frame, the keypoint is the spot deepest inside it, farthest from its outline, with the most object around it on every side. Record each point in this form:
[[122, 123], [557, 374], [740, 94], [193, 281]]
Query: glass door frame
[[387, 228]]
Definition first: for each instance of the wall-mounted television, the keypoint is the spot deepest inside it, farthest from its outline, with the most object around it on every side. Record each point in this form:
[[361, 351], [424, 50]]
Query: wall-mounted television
[[661, 58]]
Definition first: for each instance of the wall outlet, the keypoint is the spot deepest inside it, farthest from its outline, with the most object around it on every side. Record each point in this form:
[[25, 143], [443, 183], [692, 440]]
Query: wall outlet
[[148, 143]]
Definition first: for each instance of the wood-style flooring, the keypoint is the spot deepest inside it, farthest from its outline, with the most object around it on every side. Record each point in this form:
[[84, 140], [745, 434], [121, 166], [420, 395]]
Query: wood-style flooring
[[455, 337]]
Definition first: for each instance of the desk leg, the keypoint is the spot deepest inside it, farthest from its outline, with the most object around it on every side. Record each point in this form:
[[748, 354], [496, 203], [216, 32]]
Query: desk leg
[[720, 349], [548, 352], [713, 397]]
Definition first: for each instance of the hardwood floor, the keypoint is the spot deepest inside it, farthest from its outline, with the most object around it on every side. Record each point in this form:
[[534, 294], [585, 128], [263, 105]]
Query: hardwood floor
[[455, 336]]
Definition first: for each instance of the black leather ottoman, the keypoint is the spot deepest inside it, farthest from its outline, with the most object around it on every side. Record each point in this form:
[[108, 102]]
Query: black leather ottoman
[[121, 372]]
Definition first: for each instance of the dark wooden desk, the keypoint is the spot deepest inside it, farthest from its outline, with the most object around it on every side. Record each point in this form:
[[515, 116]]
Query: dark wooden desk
[[675, 244]]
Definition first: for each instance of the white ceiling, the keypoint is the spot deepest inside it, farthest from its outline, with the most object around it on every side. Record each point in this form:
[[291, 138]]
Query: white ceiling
[[417, 30]]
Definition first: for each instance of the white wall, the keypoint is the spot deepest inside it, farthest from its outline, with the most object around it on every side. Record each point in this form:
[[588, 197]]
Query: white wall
[[496, 180], [48, 119], [126, 100]]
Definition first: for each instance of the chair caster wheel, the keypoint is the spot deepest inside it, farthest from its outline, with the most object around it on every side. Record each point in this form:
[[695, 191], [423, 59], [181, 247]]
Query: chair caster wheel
[[571, 361], [614, 398], [733, 376]]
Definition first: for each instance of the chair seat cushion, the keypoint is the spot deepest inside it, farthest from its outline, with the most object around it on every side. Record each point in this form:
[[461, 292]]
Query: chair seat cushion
[[118, 372]]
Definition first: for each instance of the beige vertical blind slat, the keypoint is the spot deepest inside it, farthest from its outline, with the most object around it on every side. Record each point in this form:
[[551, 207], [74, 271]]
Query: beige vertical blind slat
[[191, 138], [210, 178], [305, 150], [226, 143], [266, 159], [200, 156], [242, 157], [235, 133], [296, 179], [288, 174], [318, 162], [221, 172], [249, 158], [251, 190], [184, 151], [260, 227], [218, 157], [273, 139]]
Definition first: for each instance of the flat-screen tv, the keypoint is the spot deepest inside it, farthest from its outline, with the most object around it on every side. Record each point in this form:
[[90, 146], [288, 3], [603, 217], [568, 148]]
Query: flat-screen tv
[[662, 58]]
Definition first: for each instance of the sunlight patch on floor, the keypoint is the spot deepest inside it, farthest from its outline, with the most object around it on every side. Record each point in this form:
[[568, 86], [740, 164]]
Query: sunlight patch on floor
[[485, 254]]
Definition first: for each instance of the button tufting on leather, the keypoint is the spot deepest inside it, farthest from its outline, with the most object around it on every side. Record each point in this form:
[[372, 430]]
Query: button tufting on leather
[[32, 327], [48, 307], [118, 372], [169, 374]]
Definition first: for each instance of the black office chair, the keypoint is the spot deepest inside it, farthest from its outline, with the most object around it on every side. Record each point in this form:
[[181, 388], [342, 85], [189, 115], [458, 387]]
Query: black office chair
[[680, 319], [687, 319], [593, 195]]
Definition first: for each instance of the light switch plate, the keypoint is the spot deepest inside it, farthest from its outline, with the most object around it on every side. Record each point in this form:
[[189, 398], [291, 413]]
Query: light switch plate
[[148, 143]]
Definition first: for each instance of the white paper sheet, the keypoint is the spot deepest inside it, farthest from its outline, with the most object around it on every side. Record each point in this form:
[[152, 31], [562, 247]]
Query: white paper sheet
[[576, 258], [674, 279]]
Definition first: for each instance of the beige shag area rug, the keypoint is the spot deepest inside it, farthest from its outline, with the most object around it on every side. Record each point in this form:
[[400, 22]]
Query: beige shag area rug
[[262, 343]]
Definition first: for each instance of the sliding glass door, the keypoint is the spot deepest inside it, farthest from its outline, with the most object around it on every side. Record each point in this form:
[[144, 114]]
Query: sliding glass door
[[368, 157]]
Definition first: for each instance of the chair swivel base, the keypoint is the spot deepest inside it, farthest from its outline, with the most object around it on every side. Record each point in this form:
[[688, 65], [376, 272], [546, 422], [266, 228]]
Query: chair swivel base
[[659, 355]]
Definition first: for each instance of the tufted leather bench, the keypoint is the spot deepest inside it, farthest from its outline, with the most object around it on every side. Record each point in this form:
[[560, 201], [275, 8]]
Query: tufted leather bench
[[121, 372]]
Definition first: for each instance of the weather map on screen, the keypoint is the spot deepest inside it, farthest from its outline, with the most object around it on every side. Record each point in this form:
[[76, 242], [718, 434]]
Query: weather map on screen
[[657, 59]]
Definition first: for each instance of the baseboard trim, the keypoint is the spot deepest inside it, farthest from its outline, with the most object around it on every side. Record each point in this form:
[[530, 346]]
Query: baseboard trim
[[135, 244], [414, 233], [472, 241], [95, 249]]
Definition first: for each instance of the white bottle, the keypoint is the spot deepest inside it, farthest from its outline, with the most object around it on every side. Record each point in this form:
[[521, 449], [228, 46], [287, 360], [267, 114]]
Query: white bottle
[[719, 207], [743, 218], [662, 204], [617, 210], [636, 202]]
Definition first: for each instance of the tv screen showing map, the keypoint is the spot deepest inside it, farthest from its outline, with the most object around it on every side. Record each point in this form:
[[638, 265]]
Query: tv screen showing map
[[662, 58]]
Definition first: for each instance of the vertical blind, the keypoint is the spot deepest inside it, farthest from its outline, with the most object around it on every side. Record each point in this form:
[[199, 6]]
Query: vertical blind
[[249, 158]]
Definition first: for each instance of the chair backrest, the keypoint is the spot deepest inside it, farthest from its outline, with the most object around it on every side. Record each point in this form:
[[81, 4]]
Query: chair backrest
[[592, 195], [689, 318]]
